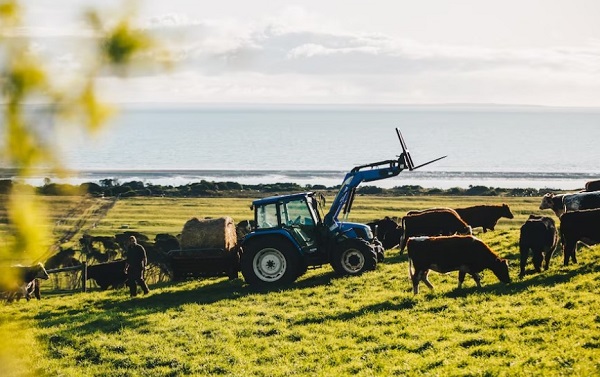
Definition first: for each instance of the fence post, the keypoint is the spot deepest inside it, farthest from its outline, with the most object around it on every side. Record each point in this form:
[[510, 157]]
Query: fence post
[[84, 277]]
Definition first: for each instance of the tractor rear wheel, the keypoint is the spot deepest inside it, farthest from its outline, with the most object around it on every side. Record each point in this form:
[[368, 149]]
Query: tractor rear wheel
[[269, 261], [353, 257]]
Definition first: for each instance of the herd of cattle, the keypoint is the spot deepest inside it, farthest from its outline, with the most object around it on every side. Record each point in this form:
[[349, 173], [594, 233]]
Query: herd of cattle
[[441, 239], [438, 239]]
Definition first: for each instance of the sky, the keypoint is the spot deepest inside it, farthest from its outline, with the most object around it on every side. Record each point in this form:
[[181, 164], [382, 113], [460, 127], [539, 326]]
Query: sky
[[510, 52]]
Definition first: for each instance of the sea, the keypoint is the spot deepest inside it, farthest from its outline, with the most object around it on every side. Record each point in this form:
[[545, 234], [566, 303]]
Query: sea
[[493, 146]]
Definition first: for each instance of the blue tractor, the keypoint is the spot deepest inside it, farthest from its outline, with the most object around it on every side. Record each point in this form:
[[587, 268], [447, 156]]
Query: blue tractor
[[290, 235]]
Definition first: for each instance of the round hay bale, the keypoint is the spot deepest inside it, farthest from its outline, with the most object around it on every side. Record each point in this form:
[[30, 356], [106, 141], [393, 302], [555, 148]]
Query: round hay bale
[[209, 234]]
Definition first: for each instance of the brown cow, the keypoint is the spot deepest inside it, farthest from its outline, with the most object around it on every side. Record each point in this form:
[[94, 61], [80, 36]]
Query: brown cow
[[465, 254], [440, 222], [538, 234], [575, 226], [417, 211], [485, 216]]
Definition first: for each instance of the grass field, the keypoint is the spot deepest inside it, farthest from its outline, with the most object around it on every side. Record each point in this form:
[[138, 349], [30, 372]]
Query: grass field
[[545, 324]]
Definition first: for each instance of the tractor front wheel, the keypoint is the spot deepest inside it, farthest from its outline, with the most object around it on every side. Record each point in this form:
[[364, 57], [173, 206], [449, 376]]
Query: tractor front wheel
[[353, 257]]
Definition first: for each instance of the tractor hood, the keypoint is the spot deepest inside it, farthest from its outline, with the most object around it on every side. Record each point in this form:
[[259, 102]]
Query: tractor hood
[[356, 230]]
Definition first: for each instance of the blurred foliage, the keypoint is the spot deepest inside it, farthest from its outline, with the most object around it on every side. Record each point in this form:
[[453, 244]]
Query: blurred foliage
[[28, 146], [25, 80]]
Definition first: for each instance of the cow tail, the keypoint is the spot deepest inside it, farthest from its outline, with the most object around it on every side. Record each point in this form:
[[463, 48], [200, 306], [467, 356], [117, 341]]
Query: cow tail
[[410, 269]]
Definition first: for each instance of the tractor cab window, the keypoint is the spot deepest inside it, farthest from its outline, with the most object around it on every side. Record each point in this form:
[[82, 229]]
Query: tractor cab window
[[298, 218], [266, 216], [296, 213]]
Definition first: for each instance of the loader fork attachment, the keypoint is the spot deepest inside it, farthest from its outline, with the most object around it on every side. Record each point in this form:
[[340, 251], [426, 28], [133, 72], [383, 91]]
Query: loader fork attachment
[[406, 154]]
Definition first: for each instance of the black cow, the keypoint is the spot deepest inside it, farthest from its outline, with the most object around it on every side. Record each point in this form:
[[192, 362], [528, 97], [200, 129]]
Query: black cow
[[562, 203], [22, 281], [465, 254], [110, 274], [592, 185], [387, 232], [440, 222], [575, 226], [539, 235], [485, 216]]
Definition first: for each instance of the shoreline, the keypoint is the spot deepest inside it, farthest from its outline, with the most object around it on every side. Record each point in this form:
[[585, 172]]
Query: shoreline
[[426, 179]]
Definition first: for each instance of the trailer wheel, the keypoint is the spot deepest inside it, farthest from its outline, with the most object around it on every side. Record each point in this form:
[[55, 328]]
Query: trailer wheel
[[353, 257], [270, 261]]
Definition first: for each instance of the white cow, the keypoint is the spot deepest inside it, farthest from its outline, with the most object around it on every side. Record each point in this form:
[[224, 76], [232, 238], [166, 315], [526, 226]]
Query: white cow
[[561, 203]]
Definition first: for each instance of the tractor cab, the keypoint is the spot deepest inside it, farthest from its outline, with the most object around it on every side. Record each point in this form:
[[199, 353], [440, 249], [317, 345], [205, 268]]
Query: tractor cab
[[296, 214]]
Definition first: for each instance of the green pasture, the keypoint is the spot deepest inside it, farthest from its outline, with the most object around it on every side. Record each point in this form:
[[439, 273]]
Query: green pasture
[[545, 324], [167, 215]]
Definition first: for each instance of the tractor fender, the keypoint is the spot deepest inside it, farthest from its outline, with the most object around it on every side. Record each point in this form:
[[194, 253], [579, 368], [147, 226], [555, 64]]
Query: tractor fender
[[271, 233]]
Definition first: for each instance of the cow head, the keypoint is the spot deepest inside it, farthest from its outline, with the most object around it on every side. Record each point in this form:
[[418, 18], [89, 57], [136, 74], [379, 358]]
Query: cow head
[[501, 270], [40, 271], [506, 212], [547, 201]]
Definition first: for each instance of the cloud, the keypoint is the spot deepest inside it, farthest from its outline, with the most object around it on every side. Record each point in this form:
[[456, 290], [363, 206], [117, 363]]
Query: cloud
[[298, 56], [220, 48]]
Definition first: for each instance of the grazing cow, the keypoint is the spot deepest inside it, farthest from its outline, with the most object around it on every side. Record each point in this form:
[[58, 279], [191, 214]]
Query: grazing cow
[[562, 203], [22, 281], [387, 232], [416, 211], [465, 254], [592, 185], [485, 216], [433, 223], [110, 274], [539, 235], [575, 226]]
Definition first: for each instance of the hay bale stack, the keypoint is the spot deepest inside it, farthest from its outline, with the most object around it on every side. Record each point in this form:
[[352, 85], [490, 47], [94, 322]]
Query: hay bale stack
[[209, 234]]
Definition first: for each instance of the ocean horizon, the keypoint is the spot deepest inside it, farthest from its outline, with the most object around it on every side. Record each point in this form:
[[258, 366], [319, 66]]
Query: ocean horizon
[[493, 146], [426, 179]]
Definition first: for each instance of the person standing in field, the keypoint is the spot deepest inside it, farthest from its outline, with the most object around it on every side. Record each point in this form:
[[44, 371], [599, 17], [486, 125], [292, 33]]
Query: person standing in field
[[135, 265]]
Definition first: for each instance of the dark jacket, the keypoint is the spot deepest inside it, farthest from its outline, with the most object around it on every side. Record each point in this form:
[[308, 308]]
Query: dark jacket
[[136, 257]]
